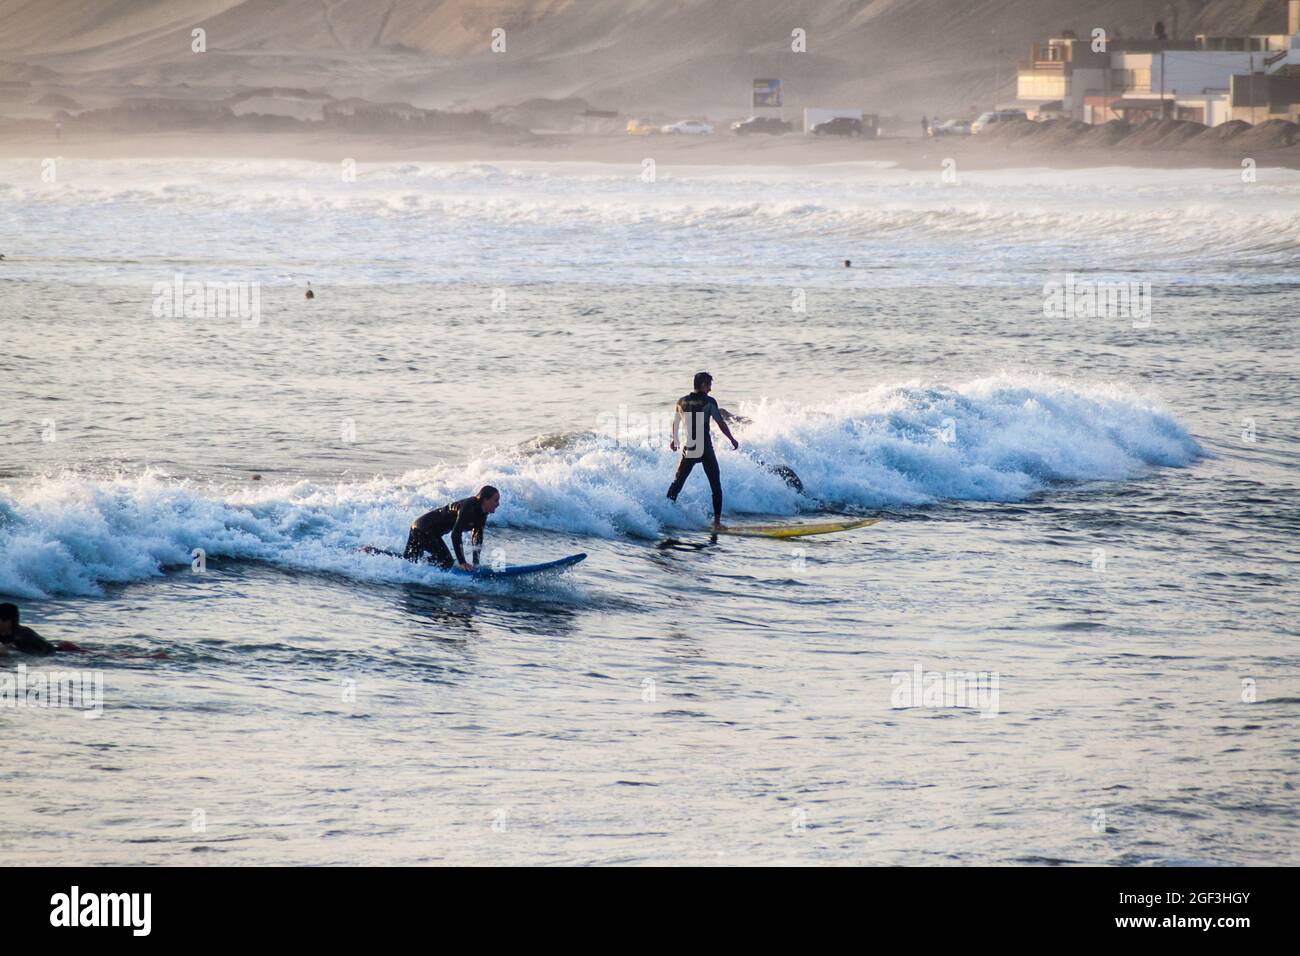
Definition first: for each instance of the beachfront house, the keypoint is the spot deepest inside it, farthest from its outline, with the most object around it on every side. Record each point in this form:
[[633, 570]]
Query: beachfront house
[[1058, 74], [1162, 77]]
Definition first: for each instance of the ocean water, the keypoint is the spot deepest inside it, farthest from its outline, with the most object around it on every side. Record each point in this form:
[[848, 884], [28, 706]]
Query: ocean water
[[1094, 510]]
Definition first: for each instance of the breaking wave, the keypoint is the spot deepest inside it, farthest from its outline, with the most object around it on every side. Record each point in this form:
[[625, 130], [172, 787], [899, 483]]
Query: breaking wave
[[995, 439]]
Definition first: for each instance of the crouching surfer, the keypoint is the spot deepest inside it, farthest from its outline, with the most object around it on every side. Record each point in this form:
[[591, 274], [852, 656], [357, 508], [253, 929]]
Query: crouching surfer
[[467, 514]]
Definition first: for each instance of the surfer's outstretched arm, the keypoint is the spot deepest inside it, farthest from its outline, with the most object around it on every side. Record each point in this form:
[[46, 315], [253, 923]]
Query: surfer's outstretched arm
[[722, 426]]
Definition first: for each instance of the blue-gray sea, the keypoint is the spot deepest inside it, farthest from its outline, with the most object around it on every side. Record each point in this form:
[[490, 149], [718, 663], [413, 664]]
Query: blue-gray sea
[[1070, 396]]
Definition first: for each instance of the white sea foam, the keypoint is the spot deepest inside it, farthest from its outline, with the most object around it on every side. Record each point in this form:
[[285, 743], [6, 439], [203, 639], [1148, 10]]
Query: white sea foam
[[995, 439]]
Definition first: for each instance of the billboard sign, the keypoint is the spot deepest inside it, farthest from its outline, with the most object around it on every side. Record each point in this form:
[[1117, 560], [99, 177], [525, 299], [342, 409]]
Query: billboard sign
[[767, 93]]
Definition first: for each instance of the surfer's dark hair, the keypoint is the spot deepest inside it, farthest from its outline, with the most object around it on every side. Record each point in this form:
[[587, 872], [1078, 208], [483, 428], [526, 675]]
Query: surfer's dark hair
[[9, 612], [702, 379], [486, 492]]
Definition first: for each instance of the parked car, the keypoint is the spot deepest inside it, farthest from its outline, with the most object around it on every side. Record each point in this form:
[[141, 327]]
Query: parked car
[[993, 117], [761, 124], [638, 127], [840, 126], [951, 128], [688, 128]]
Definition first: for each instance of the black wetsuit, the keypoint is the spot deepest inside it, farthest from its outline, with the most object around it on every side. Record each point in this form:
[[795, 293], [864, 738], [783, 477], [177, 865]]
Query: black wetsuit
[[698, 409], [457, 518], [28, 641]]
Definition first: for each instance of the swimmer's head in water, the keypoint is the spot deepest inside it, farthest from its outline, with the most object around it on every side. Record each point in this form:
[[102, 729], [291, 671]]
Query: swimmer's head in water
[[489, 498], [703, 381]]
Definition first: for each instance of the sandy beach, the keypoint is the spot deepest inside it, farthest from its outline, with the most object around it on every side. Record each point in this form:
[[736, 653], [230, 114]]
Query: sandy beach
[[721, 149]]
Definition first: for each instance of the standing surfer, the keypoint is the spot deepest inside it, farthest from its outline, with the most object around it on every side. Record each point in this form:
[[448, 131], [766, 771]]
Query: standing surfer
[[698, 409]]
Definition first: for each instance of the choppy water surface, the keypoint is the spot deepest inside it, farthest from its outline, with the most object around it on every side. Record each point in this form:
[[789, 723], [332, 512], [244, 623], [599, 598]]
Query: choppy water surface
[[1097, 512]]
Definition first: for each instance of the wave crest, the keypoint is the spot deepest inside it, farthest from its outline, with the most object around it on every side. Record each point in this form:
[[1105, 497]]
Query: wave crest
[[995, 439]]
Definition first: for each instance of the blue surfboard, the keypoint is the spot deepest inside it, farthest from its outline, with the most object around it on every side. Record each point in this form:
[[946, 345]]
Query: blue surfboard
[[511, 571], [520, 570]]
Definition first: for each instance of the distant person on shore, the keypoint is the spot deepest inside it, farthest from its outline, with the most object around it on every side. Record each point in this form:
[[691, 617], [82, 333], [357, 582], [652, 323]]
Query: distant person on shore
[[310, 294], [467, 514], [925, 126], [16, 636], [699, 410]]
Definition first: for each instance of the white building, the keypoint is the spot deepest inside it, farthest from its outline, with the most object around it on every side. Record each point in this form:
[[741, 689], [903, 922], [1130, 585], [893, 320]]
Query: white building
[[1138, 79]]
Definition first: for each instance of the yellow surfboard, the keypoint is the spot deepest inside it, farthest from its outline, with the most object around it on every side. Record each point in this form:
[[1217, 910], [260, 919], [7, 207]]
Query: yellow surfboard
[[796, 530]]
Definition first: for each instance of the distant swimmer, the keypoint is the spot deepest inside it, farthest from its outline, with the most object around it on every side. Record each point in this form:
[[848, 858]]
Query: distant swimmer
[[467, 514], [24, 639], [310, 294], [848, 263], [699, 409]]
